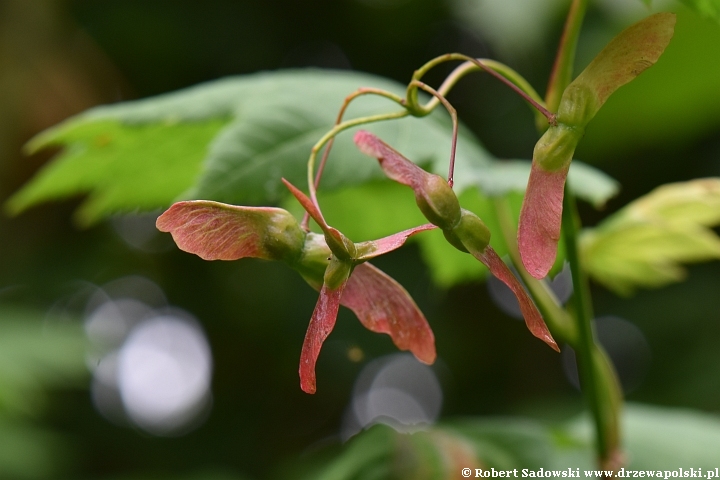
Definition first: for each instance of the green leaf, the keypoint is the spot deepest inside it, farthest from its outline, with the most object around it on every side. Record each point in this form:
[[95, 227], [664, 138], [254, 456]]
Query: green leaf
[[707, 8], [361, 457], [204, 474], [645, 243], [122, 166], [654, 439], [232, 140], [273, 139], [507, 443], [663, 438], [442, 451], [380, 453]]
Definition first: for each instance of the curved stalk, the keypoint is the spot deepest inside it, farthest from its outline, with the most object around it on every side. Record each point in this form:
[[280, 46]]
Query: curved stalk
[[501, 72], [412, 107], [453, 114]]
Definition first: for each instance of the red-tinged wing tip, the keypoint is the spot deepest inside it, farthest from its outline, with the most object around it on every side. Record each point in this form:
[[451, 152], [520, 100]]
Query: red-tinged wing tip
[[533, 319], [392, 242], [382, 305], [395, 166], [315, 213], [540, 220], [321, 324], [306, 203]]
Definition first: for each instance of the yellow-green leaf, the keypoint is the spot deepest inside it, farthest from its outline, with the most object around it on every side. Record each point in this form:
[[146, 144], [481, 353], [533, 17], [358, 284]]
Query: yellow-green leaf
[[646, 243], [122, 167]]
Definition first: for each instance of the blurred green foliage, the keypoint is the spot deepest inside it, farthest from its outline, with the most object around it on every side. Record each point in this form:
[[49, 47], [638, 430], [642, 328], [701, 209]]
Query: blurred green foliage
[[656, 439]]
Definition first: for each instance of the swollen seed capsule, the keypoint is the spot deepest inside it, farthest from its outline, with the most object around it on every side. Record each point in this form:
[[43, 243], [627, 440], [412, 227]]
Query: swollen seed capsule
[[577, 106], [314, 260], [337, 272], [472, 232], [284, 239], [438, 202], [555, 148]]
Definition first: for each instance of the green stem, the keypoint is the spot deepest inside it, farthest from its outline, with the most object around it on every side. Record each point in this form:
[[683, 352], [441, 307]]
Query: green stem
[[559, 322], [336, 130], [563, 68], [502, 72], [597, 376]]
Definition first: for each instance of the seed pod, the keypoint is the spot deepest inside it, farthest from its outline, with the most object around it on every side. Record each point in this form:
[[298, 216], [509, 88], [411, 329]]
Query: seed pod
[[472, 232], [438, 202], [337, 272], [314, 260], [624, 58], [555, 148], [578, 105], [284, 239]]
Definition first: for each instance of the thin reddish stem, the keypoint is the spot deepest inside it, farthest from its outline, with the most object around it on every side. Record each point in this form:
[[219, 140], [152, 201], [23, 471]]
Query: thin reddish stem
[[459, 72], [453, 114], [551, 117]]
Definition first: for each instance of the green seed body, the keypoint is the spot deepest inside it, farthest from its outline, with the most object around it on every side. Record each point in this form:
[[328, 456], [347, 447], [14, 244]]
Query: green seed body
[[284, 239], [555, 148], [577, 106], [314, 260], [337, 272], [472, 232], [438, 202]]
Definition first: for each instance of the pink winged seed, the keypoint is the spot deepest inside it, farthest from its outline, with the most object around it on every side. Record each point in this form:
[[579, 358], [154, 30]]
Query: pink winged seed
[[321, 324], [633, 51], [533, 319], [384, 306], [395, 166], [540, 219], [217, 231]]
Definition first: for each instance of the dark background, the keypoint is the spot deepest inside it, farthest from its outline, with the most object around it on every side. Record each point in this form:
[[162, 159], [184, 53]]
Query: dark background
[[58, 58]]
